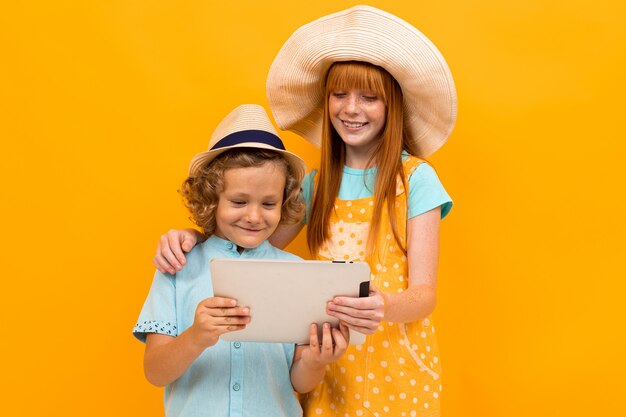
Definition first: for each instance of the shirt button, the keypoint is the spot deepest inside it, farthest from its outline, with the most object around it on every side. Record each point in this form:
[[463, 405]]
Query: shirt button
[[236, 387], [230, 245], [237, 345]]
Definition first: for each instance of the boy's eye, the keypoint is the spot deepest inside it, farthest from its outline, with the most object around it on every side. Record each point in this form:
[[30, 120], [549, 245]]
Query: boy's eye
[[269, 204], [238, 202]]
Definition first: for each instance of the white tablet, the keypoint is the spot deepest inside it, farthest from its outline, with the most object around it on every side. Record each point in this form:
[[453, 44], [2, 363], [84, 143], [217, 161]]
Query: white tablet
[[286, 296]]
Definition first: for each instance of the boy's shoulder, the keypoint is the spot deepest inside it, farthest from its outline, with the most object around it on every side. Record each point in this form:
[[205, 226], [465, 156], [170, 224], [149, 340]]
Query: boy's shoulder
[[268, 251], [282, 254], [197, 261], [197, 252]]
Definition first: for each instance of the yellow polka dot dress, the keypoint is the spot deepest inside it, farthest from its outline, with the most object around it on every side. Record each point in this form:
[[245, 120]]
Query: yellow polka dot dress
[[396, 372]]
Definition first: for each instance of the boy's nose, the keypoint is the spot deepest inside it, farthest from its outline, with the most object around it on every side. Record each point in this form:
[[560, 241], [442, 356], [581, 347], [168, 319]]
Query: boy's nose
[[253, 215]]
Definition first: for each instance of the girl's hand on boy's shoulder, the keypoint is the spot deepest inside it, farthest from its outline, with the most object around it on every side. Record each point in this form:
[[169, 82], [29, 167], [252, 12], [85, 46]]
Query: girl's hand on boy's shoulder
[[333, 346], [215, 316], [170, 256]]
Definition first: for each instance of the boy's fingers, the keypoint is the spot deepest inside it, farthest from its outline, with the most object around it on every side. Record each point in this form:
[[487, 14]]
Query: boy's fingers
[[233, 311], [345, 331], [233, 328], [327, 340], [340, 340], [223, 307], [313, 341], [215, 302], [235, 320]]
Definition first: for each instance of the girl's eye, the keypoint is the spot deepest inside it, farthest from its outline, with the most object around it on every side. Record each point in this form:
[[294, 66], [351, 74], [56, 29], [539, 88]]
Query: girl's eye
[[238, 202], [370, 98], [269, 205], [338, 94]]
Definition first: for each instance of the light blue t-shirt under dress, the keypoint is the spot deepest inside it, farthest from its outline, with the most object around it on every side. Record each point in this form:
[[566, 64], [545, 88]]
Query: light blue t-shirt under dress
[[425, 189]]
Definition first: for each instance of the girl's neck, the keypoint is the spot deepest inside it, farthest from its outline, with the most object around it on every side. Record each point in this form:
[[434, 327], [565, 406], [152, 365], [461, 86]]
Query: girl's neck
[[358, 160]]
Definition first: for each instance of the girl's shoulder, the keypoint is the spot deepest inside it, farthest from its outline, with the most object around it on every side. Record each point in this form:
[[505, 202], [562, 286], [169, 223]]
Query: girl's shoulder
[[410, 163], [426, 190]]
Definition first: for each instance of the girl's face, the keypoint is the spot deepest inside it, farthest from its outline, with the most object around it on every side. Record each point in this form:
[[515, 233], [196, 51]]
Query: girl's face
[[359, 117], [249, 208]]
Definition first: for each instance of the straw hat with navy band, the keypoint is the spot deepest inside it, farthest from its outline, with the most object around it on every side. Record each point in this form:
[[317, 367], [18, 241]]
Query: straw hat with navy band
[[247, 126], [297, 77]]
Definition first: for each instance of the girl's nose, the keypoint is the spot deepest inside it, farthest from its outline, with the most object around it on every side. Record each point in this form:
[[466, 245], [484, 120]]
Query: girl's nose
[[352, 104]]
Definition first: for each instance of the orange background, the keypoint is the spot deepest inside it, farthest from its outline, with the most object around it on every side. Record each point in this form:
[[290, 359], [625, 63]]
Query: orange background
[[103, 103]]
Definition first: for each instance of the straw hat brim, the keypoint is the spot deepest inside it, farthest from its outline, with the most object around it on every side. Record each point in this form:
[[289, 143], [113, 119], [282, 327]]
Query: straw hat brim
[[203, 158], [296, 80], [246, 126]]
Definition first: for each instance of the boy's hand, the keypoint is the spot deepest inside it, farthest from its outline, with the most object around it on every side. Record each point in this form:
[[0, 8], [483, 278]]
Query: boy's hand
[[333, 346], [216, 316]]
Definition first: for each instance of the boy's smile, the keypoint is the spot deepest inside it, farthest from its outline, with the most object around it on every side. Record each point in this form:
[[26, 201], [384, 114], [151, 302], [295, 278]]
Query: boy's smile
[[249, 208]]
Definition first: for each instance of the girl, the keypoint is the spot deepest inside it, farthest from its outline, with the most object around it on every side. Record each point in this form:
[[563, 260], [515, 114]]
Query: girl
[[238, 191], [377, 96]]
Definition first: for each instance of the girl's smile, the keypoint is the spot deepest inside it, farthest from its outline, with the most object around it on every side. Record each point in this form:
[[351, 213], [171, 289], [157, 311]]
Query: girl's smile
[[352, 125]]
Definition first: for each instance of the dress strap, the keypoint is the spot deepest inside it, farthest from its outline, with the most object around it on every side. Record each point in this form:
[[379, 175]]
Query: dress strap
[[408, 166]]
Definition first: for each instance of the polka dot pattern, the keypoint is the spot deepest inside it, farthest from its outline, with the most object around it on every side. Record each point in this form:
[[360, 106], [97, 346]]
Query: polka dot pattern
[[396, 372]]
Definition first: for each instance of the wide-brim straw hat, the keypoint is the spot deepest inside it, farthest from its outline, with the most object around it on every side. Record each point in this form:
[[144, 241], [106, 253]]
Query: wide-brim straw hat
[[247, 126], [297, 77]]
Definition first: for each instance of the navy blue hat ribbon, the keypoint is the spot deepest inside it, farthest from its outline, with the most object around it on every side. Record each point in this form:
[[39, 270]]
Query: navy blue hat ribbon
[[259, 136]]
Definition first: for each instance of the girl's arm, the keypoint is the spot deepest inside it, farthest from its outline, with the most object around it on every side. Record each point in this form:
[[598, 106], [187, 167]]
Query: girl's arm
[[418, 300], [309, 361], [284, 234], [170, 256], [166, 358]]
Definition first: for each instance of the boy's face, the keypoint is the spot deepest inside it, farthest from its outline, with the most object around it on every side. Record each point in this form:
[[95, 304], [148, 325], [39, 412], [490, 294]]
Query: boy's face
[[250, 206]]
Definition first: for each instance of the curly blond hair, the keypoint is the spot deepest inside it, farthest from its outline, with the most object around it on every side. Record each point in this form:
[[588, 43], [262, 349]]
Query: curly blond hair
[[201, 193]]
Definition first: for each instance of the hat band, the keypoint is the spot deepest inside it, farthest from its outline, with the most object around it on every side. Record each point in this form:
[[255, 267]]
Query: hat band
[[259, 136]]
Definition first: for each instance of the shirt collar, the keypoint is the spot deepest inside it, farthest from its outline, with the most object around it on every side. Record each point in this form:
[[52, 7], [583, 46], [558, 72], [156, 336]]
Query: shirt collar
[[228, 246]]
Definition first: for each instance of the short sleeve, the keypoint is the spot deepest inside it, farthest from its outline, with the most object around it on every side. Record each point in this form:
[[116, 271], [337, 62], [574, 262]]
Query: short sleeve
[[289, 350], [426, 192], [307, 193], [158, 314]]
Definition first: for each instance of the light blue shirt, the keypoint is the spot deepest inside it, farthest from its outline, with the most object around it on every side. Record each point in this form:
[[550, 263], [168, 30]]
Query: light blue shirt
[[233, 379], [425, 189]]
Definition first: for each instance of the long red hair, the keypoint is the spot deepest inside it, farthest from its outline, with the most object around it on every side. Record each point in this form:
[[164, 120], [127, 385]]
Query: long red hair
[[387, 155]]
